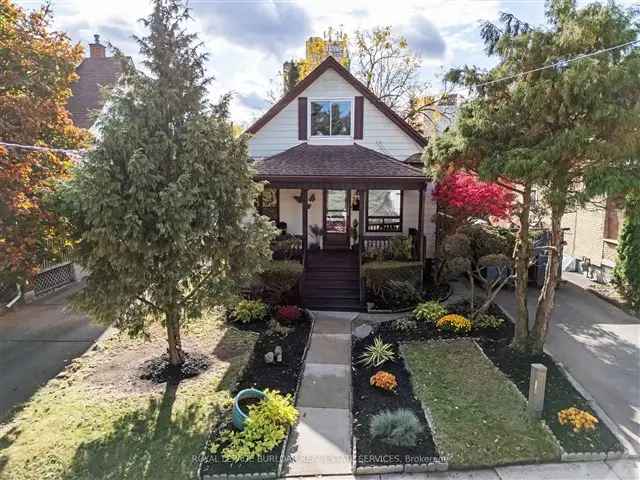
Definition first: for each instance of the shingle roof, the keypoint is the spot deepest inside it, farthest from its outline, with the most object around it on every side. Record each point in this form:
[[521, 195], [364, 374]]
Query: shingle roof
[[351, 161], [94, 73]]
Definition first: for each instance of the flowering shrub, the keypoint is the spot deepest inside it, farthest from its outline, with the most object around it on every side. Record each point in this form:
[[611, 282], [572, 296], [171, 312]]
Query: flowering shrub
[[454, 323], [577, 419], [384, 380], [289, 313]]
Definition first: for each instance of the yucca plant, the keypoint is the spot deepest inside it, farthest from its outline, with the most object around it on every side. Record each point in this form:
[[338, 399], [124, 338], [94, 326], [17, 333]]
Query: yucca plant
[[377, 353]]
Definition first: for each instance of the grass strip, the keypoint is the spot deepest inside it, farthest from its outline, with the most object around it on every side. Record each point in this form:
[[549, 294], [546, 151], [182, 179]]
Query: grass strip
[[480, 418]]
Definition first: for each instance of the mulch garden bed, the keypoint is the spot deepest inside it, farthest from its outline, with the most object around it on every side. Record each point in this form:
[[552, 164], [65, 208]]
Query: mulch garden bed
[[369, 400], [560, 394], [260, 375]]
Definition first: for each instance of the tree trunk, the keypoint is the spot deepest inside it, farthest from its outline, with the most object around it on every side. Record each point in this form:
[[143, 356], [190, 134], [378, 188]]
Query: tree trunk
[[176, 355], [472, 284], [491, 297], [522, 253], [548, 292]]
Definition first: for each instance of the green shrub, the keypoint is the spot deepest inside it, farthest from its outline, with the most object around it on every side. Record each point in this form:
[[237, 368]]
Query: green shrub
[[265, 428], [398, 294], [399, 427], [487, 321], [430, 311], [280, 277], [401, 248], [377, 353], [404, 325], [247, 311], [377, 274]]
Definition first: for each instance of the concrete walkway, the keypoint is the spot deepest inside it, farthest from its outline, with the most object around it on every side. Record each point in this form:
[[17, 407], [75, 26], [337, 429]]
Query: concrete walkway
[[610, 470], [37, 341], [599, 345], [320, 443]]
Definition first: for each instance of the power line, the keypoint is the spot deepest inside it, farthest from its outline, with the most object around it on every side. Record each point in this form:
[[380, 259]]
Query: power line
[[38, 148], [560, 63]]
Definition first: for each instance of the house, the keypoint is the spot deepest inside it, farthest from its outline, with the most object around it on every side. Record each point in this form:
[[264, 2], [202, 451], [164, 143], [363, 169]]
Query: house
[[331, 144], [591, 236], [95, 72]]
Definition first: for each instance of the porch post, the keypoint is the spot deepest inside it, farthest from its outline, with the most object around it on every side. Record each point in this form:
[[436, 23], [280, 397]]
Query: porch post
[[305, 224], [361, 219], [421, 232]]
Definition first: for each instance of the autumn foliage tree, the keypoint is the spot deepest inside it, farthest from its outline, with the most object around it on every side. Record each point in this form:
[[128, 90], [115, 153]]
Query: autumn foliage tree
[[37, 68], [462, 197]]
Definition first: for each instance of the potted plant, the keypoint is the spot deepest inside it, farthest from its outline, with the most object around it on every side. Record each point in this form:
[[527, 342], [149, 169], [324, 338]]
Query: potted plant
[[317, 232]]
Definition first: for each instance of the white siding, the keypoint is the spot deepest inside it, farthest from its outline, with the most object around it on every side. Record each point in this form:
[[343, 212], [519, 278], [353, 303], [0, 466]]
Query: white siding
[[291, 210], [380, 133]]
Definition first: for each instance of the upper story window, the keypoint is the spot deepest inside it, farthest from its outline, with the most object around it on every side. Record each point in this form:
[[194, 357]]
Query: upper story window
[[330, 118]]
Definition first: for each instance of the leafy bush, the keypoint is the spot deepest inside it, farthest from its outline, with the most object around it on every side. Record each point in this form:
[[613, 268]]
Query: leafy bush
[[289, 313], [265, 428], [454, 323], [430, 311], [487, 321], [247, 311], [280, 277], [377, 353], [401, 248], [377, 274], [397, 294], [384, 380], [398, 427], [404, 325], [578, 420]]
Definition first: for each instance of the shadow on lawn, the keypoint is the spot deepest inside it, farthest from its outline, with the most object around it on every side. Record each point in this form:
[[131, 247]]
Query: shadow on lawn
[[150, 443]]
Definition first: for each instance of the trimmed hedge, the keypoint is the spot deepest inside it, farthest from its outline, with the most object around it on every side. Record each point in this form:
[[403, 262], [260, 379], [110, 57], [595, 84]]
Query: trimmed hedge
[[280, 277], [377, 274]]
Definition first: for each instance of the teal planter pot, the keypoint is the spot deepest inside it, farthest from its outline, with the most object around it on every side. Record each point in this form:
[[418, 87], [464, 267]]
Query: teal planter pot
[[240, 417]]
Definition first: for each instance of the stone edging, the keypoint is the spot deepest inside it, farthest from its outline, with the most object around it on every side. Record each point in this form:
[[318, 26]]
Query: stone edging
[[283, 454]]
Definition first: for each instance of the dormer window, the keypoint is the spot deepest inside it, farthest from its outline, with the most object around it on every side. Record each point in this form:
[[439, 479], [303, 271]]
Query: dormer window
[[330, 118]]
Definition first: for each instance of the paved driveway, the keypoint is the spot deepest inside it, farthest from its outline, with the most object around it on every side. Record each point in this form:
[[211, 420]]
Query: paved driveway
[[600, 346], [36, 342]]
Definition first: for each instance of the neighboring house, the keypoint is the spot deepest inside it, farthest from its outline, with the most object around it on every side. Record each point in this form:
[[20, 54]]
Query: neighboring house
[[95, 72], [332, 142], [591, 237]]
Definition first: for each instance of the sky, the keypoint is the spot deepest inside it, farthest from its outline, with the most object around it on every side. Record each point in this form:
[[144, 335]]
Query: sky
[[248, 40]]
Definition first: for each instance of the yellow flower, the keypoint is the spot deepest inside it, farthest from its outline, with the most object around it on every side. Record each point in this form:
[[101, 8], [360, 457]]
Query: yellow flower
[[454, 323], [578, 420]]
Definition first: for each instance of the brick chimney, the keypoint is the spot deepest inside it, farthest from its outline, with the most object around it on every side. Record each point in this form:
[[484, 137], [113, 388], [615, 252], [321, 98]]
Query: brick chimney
[[96, 49]]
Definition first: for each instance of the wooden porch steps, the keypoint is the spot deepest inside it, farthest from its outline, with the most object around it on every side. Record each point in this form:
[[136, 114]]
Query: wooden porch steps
[[331, 281]]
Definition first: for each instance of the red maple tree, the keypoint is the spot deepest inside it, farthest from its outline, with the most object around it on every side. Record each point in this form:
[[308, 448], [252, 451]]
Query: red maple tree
[[463, 196]]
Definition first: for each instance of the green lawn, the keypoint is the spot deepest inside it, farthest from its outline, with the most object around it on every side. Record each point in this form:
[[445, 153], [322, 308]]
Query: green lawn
[[100, 421], [480, 419]]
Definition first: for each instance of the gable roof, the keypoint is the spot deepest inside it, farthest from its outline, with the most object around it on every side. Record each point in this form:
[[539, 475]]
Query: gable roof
[[332, 63], [94, 74], [344, 161]]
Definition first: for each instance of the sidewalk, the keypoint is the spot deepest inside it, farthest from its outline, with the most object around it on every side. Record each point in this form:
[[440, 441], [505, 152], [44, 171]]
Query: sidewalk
[[320, 443], [610, 470]]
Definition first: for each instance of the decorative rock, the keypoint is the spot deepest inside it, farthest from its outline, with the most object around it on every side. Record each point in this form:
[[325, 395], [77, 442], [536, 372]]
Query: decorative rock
[[268, 357], [278, 353], [416, 468], [431, 467], [442, 466], [362, 331]]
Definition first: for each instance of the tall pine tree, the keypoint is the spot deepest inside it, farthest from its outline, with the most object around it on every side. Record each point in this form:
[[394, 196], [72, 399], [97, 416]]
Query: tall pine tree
[[160, 207]]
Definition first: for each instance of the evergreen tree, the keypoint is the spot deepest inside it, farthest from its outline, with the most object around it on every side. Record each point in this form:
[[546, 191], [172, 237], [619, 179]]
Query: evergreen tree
[[626, 274], [161, 205], [570, 131]]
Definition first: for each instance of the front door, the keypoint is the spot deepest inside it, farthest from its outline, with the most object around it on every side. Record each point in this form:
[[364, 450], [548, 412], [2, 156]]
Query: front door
[[336, 219]]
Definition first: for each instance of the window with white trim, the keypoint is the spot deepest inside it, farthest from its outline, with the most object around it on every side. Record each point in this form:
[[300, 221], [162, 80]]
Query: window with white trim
[[330, 118]]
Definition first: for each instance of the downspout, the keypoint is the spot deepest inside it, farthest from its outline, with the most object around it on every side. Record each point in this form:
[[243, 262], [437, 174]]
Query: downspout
[[16, 298]]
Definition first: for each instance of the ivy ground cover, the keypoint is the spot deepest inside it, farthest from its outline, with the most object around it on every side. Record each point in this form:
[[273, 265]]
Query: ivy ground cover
[[479, 417]]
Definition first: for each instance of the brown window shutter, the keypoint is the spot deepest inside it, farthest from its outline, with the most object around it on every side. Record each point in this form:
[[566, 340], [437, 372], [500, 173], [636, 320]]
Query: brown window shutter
[[359, 119], [302, 118]]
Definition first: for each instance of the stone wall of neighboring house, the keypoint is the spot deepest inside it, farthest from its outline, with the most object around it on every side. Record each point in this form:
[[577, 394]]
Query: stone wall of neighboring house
[[593, 233]]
